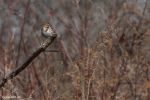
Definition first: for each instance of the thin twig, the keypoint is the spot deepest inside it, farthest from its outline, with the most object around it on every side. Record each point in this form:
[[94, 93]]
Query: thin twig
[[22, 30], [16, 71], [52, 51]]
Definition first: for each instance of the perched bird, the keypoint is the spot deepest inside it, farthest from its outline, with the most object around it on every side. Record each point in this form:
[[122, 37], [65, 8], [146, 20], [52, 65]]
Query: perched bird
[[47, 30]]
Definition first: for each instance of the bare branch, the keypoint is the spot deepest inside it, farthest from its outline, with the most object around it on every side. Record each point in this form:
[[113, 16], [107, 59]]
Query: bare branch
[[16, 71]]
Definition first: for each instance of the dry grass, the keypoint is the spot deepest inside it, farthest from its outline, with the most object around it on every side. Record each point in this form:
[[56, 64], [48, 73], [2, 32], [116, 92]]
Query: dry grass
[[104, 49]]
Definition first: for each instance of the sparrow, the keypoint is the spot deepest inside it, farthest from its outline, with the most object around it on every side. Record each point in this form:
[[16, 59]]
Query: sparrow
[[47, 31]]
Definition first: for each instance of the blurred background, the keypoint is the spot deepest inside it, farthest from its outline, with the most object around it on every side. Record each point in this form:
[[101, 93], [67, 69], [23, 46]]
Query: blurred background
[[104, 49]]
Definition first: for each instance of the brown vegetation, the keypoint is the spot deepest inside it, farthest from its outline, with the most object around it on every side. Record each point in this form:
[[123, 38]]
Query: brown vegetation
[[104, 49]]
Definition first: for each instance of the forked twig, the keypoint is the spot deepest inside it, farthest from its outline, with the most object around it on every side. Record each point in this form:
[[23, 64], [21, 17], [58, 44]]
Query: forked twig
[[16, 71]]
